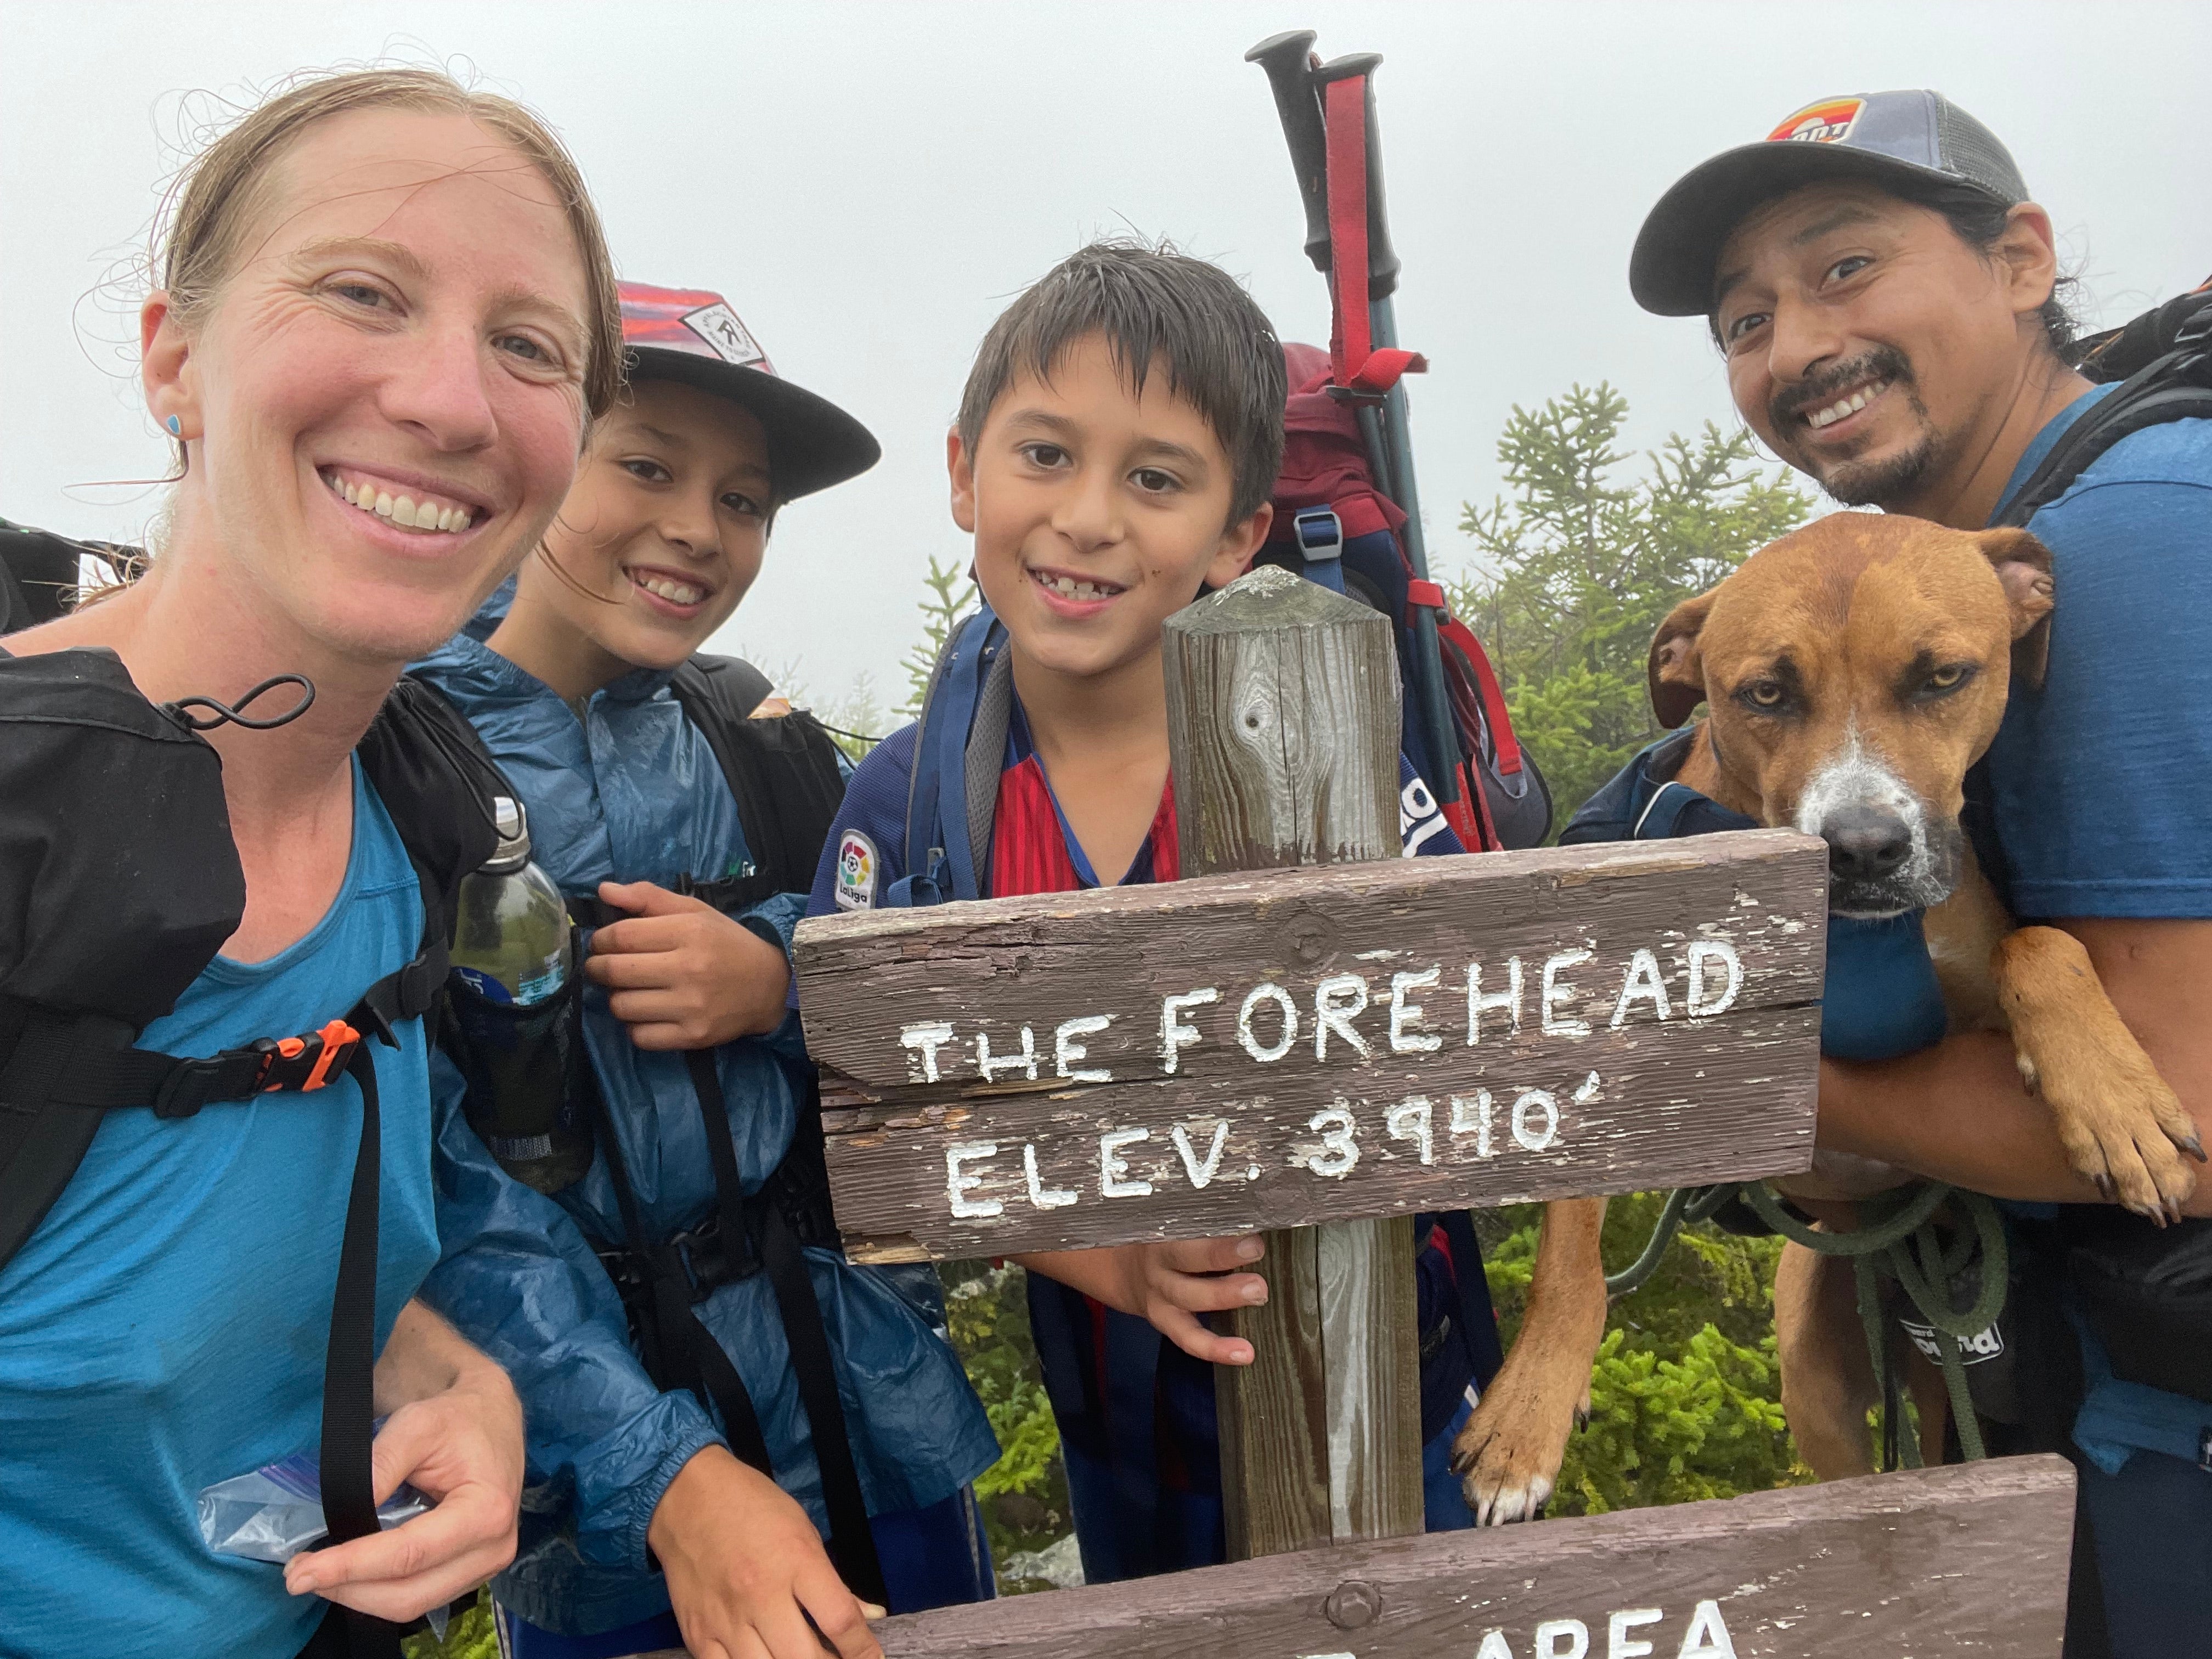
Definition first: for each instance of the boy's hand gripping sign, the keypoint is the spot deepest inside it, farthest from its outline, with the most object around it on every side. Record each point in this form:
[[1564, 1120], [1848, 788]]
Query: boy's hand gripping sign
[[1274, 1049]]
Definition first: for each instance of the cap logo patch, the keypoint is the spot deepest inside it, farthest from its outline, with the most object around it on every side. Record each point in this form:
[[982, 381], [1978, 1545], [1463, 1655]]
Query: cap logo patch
[[1824, 123], [857, 864], [718, 326]]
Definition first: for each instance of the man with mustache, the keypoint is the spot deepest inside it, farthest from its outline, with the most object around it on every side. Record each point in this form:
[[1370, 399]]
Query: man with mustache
[[1884, 296]]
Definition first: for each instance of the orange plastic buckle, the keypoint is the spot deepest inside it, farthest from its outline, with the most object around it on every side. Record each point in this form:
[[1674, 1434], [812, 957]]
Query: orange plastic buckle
[[338, 1040]]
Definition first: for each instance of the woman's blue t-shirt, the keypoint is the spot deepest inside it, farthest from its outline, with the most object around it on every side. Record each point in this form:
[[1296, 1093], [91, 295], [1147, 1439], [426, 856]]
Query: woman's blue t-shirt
[[164, 1327]]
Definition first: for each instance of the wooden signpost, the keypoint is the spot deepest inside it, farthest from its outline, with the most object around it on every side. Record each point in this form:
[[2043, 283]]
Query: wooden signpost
[[1309, 1036], [1967, 1562]]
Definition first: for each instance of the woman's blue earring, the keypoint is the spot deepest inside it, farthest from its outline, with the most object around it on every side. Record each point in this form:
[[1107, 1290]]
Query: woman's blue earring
[[176, 427]]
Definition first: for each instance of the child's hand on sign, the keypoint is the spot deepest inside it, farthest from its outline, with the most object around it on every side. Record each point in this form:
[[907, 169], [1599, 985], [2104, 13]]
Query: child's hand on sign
[[1169, 1285], [681, 974]]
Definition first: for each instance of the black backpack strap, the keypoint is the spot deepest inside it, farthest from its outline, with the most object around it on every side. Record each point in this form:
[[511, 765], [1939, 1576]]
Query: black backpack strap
[[783, 770], [2175, 385]]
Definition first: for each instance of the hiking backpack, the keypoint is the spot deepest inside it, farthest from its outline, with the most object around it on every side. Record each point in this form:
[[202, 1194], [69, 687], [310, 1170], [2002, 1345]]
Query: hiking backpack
[[1334, 524]]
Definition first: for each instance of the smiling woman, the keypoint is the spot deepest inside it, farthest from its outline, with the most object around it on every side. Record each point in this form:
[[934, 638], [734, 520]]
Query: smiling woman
[[379, 291]]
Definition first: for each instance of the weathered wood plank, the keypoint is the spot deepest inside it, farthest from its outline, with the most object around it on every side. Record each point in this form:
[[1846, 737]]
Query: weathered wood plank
[[1682, 1048], [1283, 729], [1969, 1560], [1371, 1346]]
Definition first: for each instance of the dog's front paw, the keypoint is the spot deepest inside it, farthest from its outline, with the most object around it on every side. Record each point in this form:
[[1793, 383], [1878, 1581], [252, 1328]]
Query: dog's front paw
[[2125, 1130], [2122, 1127], [1508, 1455]]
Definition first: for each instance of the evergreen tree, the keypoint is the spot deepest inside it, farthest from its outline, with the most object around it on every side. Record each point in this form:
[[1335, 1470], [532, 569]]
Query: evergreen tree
[[1579, 565]]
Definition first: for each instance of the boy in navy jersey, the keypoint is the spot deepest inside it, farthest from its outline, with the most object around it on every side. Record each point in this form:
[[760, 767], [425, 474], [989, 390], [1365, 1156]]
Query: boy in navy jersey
[[1116, 442]]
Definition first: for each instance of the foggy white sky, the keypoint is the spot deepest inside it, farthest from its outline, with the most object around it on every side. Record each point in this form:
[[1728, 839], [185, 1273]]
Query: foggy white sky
[[868, 183]]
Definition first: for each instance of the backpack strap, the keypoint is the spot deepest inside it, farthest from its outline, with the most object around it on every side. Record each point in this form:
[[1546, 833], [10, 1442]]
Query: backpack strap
[[783, 770], [2175, 385], [959, 750]]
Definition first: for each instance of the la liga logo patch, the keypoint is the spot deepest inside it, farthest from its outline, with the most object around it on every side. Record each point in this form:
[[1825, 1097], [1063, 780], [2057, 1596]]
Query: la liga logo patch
[[857, 864], [1823, 122]]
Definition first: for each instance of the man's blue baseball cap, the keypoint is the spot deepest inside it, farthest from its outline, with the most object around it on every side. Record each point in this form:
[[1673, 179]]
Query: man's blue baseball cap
[[1907, 138]]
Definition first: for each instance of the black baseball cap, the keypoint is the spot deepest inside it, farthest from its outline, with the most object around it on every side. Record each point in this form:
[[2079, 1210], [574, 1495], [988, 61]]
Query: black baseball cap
[[692, 336], [1894, 137]]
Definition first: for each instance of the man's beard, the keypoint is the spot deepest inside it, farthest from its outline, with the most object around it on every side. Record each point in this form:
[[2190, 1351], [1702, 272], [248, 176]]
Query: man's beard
[[1851, 482]]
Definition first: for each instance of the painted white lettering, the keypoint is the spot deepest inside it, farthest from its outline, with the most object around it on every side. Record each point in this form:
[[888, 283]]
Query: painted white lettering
[[1710, 1633], [1619, 1644], [1409, 1119], [959, 1183], [1641, 982], [1472, 1117], [1493, 1646], [1338, 1150], [1338, 1001], [1507, 1001], [1526, 1105], [1588, 1092], [1201, 1173], [1267, 1053], [1405, 1015], [1174, 1035], [1561, 1639], [1114, 1172], [1697, 1004], [1554, 994], [1066, 1051], [929, 1035], [1043, 1197], [1025, 1062]]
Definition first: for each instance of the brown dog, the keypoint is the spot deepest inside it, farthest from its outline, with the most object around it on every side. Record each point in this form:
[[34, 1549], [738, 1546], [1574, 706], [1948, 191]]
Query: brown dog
[[1853, 672]]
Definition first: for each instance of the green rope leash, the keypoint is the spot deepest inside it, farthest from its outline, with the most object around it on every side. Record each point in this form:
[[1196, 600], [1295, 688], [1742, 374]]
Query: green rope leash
[[1900, 1241]]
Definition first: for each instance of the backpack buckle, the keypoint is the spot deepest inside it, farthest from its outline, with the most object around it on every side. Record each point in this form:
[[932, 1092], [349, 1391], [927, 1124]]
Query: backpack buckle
[[305, 1063], [1320, 534]]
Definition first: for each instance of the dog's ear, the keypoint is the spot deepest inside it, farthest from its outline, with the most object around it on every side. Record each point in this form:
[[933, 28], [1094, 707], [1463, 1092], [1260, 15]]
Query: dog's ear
[[1675, 673], [2023, 565]]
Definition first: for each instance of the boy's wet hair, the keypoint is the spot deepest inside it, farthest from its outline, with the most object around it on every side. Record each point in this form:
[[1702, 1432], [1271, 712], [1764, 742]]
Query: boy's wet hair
[[1156, 306]]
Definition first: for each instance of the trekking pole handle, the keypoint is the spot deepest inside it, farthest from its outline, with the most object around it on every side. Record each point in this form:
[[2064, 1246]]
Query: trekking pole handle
[[1382, 265], [1288, 59]]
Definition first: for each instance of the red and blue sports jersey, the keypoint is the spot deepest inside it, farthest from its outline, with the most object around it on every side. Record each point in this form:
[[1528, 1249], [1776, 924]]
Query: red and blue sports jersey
[[1136, 1414]]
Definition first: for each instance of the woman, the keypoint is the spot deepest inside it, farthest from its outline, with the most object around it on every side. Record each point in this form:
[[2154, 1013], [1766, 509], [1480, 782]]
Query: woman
[[689, 1041], [373, 277]]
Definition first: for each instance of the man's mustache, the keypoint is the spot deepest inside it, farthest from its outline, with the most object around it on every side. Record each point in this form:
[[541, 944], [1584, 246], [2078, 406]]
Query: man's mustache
[[1882, 363]]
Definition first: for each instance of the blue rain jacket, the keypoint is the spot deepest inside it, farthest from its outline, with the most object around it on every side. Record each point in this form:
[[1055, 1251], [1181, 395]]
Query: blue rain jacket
[[631, 792]]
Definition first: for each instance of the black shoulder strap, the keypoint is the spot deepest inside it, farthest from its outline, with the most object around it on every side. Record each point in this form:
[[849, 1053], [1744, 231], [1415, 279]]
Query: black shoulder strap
[[38, 568], [782, 770], [2174, 385], [437, 779]]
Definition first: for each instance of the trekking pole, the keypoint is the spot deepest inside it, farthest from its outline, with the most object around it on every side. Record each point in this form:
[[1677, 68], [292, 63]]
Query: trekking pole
[[1289, 61], [1389, 439]]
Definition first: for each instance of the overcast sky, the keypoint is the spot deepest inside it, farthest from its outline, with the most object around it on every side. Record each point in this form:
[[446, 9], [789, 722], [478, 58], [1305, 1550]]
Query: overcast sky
[[869, 183]]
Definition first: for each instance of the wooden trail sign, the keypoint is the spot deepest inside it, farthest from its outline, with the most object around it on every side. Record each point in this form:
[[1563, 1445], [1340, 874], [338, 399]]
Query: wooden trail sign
[[1969, 1560], [1295, 1046]]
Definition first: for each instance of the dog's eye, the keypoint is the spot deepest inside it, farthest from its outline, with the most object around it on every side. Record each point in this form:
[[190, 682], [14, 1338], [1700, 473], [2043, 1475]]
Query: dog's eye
[[1946, 680], [1764, 694]]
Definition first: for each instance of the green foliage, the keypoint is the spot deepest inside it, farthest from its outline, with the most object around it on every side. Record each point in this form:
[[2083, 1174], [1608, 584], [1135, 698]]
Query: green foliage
[[1685, 1396], [951, 596], [1579, 566], [469, 1636], [1024, 1494]]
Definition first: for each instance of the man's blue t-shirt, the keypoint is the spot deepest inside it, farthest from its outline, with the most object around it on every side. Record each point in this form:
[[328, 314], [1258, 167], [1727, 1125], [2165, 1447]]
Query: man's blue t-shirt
[[164, 1327], [2103, 779]]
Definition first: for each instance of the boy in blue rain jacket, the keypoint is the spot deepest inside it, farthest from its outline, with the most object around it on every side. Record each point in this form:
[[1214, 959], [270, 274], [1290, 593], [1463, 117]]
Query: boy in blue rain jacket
[[675, 1455]]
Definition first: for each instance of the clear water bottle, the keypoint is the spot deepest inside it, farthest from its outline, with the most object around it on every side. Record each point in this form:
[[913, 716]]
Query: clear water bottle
[[510, 943], [513, 1017]]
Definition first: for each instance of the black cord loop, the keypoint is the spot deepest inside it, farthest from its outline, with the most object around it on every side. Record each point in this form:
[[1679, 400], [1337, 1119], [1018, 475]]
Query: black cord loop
[[221, 712]]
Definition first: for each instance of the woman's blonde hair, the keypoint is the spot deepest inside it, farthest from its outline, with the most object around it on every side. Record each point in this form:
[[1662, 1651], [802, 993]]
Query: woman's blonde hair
[[215, 201]]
